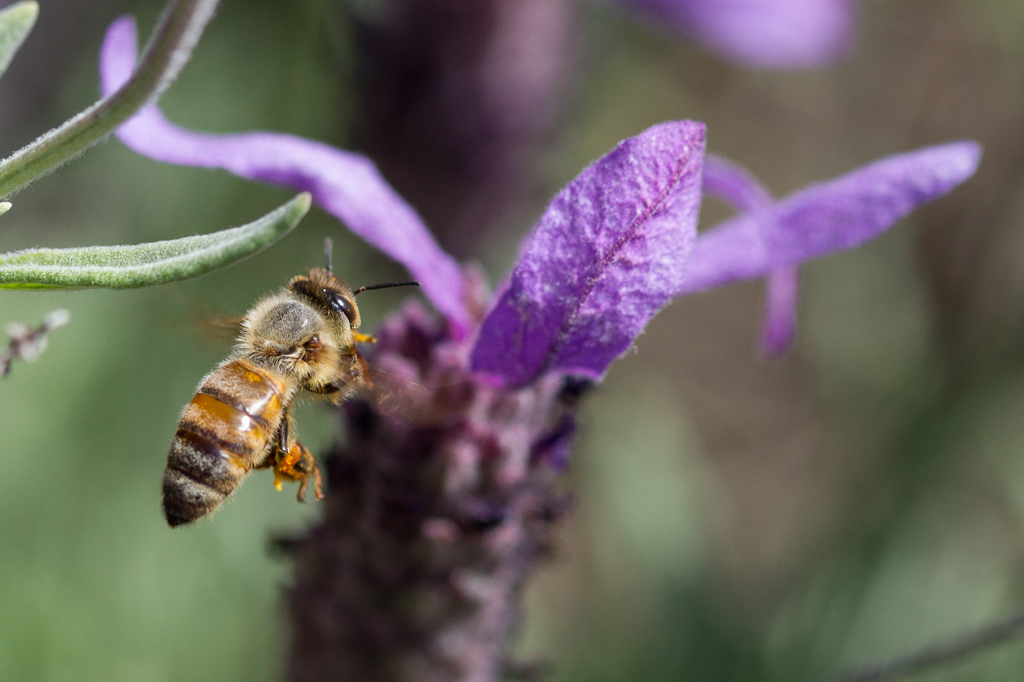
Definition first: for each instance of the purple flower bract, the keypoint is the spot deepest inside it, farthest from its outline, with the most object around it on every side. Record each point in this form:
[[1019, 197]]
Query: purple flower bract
[[608, 253], [827, 217], [736, 186]]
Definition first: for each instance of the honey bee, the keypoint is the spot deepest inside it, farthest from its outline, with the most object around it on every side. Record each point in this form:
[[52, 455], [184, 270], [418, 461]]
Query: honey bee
[[300, 340]]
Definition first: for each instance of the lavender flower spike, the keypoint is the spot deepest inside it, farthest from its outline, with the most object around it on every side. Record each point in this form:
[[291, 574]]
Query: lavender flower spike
[[607, 254], [775, 34], [345, 184], [826, 217], [736, 186]]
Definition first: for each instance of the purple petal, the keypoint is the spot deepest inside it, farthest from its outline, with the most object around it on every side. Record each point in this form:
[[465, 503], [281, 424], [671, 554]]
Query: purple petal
[[827, 217], [344, 184], [779, 326], [734, 185], [737, 186], [607, 254], [775, 34]]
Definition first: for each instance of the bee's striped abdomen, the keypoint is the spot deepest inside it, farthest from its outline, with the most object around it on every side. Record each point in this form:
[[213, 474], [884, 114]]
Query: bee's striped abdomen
[[224, 432]]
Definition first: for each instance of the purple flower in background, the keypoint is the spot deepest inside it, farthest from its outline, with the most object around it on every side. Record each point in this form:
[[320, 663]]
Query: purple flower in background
[[777, 34]]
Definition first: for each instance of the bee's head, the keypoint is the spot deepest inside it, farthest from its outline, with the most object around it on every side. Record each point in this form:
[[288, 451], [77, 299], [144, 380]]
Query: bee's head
[[291, 335], [333, 297]]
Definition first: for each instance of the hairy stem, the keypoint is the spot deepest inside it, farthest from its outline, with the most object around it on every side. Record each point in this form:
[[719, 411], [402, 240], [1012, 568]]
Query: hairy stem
[[938, 654], [169, 48]]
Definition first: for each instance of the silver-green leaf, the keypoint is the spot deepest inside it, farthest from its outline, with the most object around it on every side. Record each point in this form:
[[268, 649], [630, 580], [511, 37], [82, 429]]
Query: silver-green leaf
[[129, 267], [15, 23], [169, 48]]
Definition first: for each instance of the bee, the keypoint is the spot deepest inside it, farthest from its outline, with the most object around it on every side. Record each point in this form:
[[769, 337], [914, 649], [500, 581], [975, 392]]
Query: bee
[[300, 340]]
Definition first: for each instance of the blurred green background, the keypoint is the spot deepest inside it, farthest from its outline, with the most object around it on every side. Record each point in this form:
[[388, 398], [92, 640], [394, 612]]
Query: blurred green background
[[736, 519]]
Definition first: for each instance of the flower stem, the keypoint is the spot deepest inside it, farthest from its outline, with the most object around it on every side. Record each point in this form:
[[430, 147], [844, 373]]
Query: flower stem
[[937, 654], [169, 48]]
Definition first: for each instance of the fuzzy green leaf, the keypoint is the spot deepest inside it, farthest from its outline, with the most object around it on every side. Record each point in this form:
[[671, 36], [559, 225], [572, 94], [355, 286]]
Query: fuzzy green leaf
[[173, 39], [15, 23], [129, 267]]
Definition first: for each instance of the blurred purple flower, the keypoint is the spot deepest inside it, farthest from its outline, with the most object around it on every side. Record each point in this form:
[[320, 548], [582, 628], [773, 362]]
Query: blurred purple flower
[[775, 34], [614, 246]]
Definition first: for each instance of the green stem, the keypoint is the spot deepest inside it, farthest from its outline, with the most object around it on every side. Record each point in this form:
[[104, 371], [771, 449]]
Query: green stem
[[938, 654], [169, 48]]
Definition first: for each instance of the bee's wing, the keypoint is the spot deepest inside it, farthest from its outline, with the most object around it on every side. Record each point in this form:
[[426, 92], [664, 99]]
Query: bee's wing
[[217, 326], [395, 392]]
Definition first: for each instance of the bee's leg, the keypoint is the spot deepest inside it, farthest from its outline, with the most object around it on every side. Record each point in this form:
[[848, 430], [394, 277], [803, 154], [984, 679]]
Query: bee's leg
[[280, 455], [307, 468], [292, 461], [325, 389], [275, 448], [336, 390], [283, 436], [364, 338], [299, 465]]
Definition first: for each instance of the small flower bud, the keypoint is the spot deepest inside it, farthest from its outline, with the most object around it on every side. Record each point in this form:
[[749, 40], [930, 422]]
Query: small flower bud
[[16, 330], [33, 348], [57, 319]]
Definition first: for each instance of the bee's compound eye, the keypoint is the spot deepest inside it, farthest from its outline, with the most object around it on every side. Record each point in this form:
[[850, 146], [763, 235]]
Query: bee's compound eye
[[340, 305]]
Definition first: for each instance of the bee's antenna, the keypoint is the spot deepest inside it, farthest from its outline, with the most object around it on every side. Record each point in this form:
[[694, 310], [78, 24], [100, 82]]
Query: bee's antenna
[[384, 286], [328, 247]]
